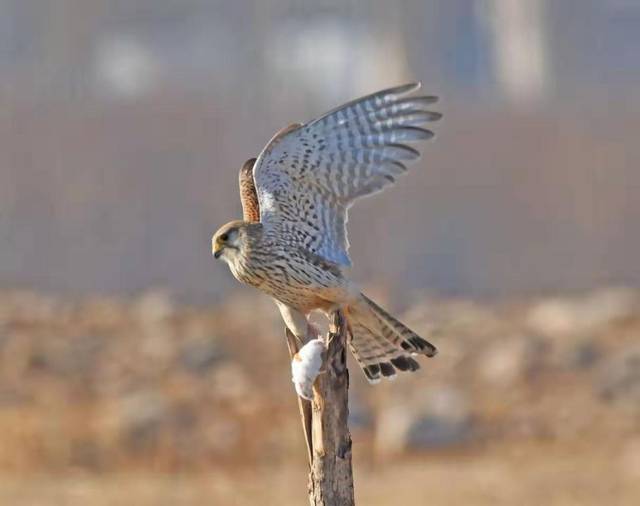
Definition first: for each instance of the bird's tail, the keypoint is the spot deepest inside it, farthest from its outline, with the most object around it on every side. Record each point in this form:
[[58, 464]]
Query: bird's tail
[[380, 343]]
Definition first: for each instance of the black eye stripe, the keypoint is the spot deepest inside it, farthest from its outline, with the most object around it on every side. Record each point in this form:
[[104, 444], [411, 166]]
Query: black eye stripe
[[224, 237]]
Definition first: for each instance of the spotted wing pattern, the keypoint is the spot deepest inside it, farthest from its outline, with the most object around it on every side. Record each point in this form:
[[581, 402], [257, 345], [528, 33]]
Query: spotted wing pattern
[[308, 176], [248, 196]]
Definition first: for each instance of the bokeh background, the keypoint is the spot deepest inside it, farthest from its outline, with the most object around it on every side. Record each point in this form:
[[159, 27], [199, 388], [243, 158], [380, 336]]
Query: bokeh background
[[135, 370]]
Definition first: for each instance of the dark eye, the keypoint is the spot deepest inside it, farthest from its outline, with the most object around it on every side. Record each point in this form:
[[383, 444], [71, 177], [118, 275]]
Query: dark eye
[[224, 237]]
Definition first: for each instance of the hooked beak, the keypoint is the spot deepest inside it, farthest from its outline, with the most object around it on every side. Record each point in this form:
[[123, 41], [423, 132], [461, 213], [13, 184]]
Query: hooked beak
[[217, 249]]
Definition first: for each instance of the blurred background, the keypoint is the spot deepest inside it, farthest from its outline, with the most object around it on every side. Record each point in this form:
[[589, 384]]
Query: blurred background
[[135, 370]]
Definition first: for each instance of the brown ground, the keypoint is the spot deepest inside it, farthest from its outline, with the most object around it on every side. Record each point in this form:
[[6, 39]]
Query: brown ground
[[145, 402], [521, 474]]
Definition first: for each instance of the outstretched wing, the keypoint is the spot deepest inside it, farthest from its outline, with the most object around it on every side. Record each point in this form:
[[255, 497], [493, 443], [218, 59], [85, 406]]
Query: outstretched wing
[[248, 195], [308, 175]]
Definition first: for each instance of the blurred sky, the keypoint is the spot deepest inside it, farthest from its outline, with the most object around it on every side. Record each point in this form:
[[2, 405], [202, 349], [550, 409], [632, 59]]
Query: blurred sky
[[123, 124]]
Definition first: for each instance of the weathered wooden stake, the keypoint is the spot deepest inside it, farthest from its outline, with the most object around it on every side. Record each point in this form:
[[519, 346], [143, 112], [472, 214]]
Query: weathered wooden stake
[[325, 426]]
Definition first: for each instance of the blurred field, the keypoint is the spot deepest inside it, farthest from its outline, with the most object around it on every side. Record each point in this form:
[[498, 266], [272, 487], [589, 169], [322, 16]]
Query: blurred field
[[524, 475], [144, 401]]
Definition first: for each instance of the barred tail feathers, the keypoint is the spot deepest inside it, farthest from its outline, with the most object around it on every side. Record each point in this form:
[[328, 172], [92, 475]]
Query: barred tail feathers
[[381, 344]]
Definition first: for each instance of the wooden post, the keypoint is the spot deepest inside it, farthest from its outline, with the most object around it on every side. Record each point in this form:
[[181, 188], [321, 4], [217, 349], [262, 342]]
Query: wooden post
[[303, 404], [325, 423]]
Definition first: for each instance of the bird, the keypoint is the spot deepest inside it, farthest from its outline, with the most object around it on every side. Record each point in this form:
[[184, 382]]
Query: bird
[[292, 241]]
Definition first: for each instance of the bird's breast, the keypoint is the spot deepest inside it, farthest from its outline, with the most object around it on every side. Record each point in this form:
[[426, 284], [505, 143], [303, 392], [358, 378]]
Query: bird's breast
[[287, 275]]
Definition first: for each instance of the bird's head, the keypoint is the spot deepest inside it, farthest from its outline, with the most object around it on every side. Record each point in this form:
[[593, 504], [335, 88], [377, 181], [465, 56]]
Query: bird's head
[[228, 240]]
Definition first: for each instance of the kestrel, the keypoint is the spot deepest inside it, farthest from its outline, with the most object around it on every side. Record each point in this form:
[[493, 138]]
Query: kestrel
[[292, 243]]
